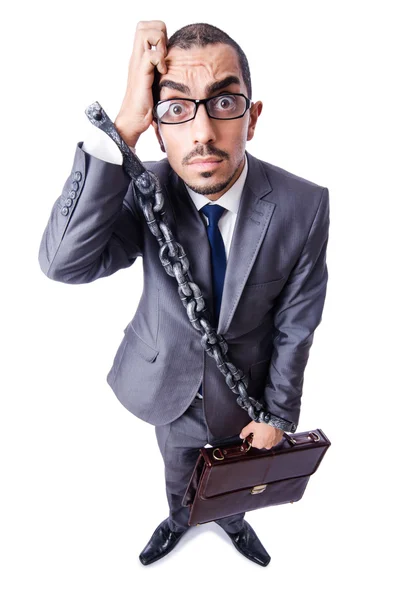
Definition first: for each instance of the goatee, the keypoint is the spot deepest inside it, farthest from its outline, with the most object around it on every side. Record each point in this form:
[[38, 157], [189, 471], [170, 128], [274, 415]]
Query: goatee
[[215, 188]]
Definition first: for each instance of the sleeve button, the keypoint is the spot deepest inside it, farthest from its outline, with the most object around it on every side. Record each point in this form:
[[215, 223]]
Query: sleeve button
[[77, 176], [68, 202], [64, 211]]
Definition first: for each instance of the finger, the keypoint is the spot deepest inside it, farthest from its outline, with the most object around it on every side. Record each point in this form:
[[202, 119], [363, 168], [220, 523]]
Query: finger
[[146, 38], [155, 24], [154, 38], [153, 58], [150, 60], [244, 434]]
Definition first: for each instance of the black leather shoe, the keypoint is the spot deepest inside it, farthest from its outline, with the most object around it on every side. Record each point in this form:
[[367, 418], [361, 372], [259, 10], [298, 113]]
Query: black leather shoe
[[248, 543], [161, 543]]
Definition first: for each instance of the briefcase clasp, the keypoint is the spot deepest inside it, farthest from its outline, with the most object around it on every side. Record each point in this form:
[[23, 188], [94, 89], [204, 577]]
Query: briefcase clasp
[[258, 489]]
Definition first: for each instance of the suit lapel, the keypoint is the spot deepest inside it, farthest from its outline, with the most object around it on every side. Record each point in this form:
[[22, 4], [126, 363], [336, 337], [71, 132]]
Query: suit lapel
[[252, 222]]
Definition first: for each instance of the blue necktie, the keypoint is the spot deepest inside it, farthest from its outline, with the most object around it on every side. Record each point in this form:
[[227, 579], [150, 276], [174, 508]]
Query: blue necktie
[[218, 255]]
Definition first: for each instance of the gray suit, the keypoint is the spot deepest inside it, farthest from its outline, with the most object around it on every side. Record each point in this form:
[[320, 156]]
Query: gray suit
[[273, 296]]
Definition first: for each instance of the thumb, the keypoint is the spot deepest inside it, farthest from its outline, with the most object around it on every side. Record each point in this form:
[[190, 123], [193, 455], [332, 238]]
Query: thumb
[[245, 431]]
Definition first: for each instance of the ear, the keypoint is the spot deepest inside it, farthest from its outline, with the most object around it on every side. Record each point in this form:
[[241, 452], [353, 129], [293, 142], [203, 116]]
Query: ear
[[158, 135], [255, 111]]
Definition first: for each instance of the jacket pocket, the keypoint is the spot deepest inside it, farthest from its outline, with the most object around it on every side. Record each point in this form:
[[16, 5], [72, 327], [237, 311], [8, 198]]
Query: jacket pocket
[[264, 283], [139, 345]]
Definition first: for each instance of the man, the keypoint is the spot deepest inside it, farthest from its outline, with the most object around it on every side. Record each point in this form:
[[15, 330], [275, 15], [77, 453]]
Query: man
[[270, 228]]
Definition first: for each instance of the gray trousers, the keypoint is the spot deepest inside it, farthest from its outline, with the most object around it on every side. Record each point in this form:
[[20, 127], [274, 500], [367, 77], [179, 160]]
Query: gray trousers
[[179, 443]]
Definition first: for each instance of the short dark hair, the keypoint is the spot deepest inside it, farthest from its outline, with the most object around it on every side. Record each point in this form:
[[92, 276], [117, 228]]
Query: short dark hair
[[203, 34]]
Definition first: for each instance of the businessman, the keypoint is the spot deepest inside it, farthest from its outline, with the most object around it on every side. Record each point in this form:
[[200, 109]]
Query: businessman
[[256, 239]]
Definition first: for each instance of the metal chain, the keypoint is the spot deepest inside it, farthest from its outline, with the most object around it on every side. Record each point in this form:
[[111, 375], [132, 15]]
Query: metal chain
[[148, 191]]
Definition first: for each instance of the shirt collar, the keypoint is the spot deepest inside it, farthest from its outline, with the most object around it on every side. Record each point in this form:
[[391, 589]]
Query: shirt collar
[[230, 199]]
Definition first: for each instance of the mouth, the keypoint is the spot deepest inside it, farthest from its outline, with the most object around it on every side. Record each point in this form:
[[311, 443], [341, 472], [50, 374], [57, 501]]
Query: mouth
[[209, 162]]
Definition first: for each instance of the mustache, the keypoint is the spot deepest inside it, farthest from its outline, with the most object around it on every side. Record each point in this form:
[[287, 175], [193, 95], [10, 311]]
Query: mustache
[[203, 151]]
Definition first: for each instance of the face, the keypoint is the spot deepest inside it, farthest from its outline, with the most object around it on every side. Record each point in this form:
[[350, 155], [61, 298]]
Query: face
[[208, 154]]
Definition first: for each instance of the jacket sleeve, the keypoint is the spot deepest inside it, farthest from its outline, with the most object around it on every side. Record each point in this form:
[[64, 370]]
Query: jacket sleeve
[[298, 312], [94, 227]]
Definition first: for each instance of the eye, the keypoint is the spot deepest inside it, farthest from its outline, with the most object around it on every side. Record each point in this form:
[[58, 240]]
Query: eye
[[176, 109], [225, 103], [173, 111]]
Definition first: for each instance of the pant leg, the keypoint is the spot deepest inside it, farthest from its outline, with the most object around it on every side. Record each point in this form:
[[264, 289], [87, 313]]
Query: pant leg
[[234, 523], [179, 443]]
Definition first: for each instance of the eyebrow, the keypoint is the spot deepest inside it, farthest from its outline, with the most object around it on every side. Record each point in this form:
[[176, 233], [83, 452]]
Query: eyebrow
[[210, 89]]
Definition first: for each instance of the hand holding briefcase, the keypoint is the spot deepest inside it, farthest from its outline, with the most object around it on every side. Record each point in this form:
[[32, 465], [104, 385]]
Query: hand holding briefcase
[[231, 479]]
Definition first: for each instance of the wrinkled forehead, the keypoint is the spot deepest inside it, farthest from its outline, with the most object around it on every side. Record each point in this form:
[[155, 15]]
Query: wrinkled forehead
[[199, 67]]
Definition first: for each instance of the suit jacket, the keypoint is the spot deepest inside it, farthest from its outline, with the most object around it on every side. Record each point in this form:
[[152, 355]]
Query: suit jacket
[[273, 297]]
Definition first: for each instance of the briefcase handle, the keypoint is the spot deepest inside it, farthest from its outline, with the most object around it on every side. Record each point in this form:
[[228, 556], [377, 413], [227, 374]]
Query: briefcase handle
[[220, 453], [298, 439], [312, 436]]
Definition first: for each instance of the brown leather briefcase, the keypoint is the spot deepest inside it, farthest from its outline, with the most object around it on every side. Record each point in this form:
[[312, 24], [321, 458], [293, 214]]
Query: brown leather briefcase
[[231, 479]]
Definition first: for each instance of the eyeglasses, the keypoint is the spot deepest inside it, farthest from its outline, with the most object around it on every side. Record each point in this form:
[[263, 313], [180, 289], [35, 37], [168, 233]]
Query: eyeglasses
[[180, 110]]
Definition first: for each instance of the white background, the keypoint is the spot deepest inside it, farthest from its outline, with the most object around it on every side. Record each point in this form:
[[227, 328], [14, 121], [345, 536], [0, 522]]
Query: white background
[[81, 478]]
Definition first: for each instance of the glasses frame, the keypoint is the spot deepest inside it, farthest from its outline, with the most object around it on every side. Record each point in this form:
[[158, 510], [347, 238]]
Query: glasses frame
[[248, 104]]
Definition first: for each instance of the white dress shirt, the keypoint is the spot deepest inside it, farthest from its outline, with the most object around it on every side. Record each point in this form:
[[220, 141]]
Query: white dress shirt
[[100, 145], [229, 200]]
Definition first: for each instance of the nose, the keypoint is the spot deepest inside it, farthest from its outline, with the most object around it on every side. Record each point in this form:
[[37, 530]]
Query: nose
[[203, 130]]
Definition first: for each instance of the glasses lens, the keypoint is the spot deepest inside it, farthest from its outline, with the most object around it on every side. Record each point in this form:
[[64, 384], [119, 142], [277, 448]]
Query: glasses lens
[[227, 106], [175, 111]]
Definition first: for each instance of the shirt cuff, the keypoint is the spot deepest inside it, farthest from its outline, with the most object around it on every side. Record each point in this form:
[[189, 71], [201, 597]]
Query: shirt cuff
[[100, 145]]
